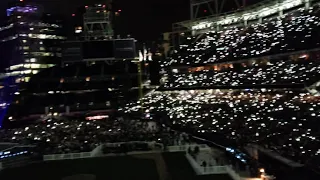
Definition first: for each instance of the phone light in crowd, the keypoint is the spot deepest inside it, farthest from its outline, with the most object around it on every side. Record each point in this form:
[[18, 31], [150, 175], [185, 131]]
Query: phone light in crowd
[[86, 7], [73, 15], [78, 30]]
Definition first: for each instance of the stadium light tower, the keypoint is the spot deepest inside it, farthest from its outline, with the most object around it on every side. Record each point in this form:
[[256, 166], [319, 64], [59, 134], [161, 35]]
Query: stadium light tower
[[97, 21], [215, 7]]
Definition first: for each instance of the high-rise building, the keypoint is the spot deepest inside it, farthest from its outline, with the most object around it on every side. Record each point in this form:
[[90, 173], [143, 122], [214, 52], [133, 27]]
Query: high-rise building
[[97, 22], [29, 40]]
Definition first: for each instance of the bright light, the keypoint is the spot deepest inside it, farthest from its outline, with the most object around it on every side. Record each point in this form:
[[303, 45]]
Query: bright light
[[99, 117]]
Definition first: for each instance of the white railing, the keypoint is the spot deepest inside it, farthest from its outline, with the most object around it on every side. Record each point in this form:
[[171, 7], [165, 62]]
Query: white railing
[[97, 151], [202, 147], [227, 169], [94, 153], [52, 157], [206, 170]]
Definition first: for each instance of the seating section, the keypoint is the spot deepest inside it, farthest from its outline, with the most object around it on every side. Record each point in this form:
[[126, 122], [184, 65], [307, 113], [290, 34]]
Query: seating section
[[296, 31], [281, 120], [269, 65], [295, 70], [62, 136]]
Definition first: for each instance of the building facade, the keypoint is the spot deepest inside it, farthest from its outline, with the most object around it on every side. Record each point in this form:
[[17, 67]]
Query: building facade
[[30, 40]]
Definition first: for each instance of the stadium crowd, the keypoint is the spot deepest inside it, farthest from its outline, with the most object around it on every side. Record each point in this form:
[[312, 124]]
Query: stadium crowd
[[302, 70], [282, 120], [59, 136], [295, 31]]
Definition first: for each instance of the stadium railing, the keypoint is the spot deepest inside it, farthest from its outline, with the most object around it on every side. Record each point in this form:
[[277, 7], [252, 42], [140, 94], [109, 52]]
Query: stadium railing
[[186, 147], [94, 153], [276, 156], [67, 156], [227, 169]]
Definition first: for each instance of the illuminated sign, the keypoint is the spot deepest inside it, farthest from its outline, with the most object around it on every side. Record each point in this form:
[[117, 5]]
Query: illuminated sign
[[26, 9], [99, 117]]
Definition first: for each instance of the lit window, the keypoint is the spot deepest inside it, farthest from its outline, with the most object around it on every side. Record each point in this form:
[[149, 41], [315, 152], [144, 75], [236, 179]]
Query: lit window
[[35, 71], [26, 72], [18, 80], [35, 66], [27, 79]]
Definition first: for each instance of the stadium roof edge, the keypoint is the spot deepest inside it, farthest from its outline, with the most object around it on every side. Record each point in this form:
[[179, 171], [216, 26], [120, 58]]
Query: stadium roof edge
[[193, 21], [238, 13]]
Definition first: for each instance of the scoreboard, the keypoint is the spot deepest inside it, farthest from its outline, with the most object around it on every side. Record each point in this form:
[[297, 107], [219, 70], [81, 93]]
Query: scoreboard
[[117, 49]]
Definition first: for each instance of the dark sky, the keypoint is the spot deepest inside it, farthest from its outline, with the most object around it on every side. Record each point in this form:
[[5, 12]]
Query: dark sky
[[144, 19]]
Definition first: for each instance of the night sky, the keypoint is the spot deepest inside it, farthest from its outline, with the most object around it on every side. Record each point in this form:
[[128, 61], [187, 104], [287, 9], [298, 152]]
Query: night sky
[[143, 19]]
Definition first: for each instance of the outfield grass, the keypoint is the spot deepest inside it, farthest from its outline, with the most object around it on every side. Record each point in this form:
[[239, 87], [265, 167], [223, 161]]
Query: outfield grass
[[178, 166], [107, 168]]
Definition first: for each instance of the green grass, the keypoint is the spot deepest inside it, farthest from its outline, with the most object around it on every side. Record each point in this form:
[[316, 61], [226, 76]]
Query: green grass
[[108, 168]]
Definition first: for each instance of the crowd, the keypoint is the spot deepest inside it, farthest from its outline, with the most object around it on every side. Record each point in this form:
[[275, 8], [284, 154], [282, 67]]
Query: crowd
[[295, 31], [58, 136], [301, 70], [282, 120]]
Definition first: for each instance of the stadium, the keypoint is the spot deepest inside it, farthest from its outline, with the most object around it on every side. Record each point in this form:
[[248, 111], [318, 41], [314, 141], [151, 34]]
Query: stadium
[[238, 99]]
